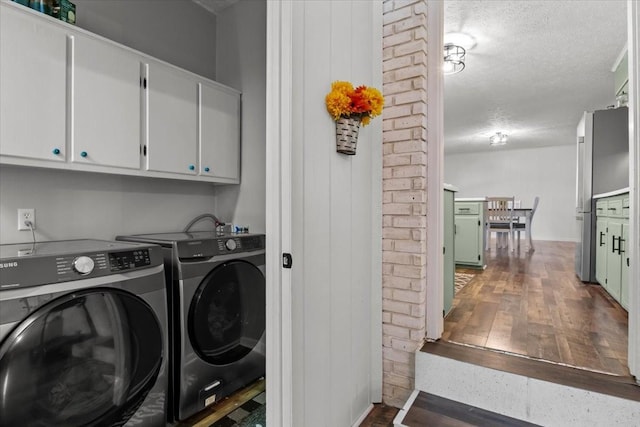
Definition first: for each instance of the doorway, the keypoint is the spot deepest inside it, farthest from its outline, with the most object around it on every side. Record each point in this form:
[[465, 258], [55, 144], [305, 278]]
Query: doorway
[[537, 253]]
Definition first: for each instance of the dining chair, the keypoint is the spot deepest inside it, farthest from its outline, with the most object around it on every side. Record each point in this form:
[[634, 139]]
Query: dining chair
[[500, 220], [526, 225]]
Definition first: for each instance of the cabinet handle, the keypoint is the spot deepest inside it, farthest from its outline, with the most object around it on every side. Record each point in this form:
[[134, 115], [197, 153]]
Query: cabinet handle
[[207, 169], [601, 243], [464, 209], [613, 244], [620, 240], [83, 154], [56, 151], [192, 167]]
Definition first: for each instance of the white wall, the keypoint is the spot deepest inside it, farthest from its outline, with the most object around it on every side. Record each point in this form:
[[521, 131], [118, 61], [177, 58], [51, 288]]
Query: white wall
[[241, 64], [176, 31], [72, 205], [548, 172], [76, 205], [336, 217]]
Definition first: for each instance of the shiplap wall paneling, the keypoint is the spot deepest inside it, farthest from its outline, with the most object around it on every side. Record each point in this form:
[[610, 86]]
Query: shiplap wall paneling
[[333, 230]]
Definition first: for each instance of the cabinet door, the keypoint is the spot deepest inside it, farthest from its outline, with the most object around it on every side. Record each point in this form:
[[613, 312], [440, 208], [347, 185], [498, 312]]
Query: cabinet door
[[467, 239], [219, 132], [33, 87], [601, 250], [449, 247], [614, 258], [107, 107], [624, 277], [172, 108]]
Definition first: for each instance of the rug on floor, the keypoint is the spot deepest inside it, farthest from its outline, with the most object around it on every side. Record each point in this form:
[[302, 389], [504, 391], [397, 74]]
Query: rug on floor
[[251, 414], [461, 280]]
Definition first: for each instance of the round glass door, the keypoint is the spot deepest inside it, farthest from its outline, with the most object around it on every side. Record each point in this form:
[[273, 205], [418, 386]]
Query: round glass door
[[227, 313], [85, 359]]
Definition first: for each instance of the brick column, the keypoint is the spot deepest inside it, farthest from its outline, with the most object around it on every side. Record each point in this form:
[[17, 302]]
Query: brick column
[[404, 198]]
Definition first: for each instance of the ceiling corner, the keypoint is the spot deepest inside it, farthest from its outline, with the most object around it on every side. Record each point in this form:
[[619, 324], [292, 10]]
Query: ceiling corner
[[215, 6]]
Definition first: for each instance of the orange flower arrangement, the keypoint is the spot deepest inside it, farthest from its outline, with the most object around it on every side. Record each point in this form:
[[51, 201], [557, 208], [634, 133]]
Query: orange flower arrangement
[[345, 101]]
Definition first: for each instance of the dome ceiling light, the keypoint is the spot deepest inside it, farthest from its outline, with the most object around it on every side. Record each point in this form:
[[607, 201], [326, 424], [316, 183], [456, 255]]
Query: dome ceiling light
[[453, 58], [498, 139]]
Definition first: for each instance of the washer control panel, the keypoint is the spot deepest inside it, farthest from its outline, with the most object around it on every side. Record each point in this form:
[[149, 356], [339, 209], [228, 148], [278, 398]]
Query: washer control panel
[[39, 270]]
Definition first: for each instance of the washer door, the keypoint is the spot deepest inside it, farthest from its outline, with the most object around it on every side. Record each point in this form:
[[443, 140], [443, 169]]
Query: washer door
[[227, 313], [84, 359]]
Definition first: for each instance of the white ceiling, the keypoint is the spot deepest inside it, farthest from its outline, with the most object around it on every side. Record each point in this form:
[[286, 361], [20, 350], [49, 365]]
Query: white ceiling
[[536, 67]]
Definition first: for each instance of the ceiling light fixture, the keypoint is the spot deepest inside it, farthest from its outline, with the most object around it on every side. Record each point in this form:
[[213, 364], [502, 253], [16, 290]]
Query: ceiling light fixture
[[453, 58], [498, 139], [465, 40]]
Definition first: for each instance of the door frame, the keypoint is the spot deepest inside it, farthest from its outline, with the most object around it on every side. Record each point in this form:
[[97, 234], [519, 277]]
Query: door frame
[[279, 325], [434, 222], [633, 36]]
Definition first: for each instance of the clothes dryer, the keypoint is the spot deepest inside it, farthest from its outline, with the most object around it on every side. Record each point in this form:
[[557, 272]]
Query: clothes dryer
[[83, 337], [217, 303]]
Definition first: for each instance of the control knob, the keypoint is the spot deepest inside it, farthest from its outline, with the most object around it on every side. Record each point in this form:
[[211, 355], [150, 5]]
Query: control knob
[[83, 265], [231, 244]]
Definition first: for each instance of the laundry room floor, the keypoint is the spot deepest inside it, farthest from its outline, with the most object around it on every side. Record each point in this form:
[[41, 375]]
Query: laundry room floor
[[245, 408]]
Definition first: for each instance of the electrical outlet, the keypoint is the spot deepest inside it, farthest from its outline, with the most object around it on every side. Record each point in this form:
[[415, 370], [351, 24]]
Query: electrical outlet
[[26, 215]]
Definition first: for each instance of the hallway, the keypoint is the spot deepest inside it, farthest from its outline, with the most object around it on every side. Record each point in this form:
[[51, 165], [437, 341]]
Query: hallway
[[533, 304]]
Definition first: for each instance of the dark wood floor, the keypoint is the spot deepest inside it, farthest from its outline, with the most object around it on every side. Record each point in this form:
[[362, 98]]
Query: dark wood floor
[[380, 416], [430, 410], [532, 303]]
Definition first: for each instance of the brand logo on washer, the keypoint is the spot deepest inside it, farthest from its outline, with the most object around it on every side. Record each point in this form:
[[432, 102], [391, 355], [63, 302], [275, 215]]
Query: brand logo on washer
[[8, 264]]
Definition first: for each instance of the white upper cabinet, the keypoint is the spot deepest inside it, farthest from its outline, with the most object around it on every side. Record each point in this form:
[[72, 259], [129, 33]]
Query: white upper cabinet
[[219, 132], [173, 119], [33, 87], [70, 99], [107, 104]]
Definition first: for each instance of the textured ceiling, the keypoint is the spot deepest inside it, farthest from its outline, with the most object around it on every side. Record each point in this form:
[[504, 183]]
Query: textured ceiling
[[536, 67]]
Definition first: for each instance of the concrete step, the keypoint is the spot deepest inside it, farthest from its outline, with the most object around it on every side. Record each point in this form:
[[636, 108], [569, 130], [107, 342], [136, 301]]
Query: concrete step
[[547, 394]]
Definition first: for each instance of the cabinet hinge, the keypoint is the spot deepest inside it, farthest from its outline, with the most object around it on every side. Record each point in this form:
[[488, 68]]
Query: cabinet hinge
[[144, 82], [478, 257], [287, 260], [144, 150], [478, 223], [444, 250]]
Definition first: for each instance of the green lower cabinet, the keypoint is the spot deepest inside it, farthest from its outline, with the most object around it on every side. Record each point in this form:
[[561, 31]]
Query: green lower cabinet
[[449, 269], [601, 250], [469, 234], [612, 241], [614, 263], [467, 240], [624, 282]]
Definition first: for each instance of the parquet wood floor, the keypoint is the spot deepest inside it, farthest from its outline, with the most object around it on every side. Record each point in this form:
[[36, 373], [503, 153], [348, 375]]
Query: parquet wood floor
[[532, 303]]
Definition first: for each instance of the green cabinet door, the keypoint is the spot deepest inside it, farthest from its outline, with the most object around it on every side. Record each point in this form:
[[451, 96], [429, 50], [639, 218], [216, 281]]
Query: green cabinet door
[[468, 239], [624, 279], [614, 262], [449, 243], [601, 250]]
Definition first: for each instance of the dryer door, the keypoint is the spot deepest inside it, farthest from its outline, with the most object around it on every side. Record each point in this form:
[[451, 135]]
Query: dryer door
[[227, 313], [84, 359]]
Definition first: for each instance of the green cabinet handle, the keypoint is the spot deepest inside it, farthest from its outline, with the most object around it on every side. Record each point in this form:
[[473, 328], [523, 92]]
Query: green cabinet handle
[[206, 169], [192, 167], [83, 154], [56, 151]]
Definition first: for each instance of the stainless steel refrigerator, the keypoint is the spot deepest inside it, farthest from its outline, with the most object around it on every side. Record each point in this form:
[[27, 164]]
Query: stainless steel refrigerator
[[603, 166]]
